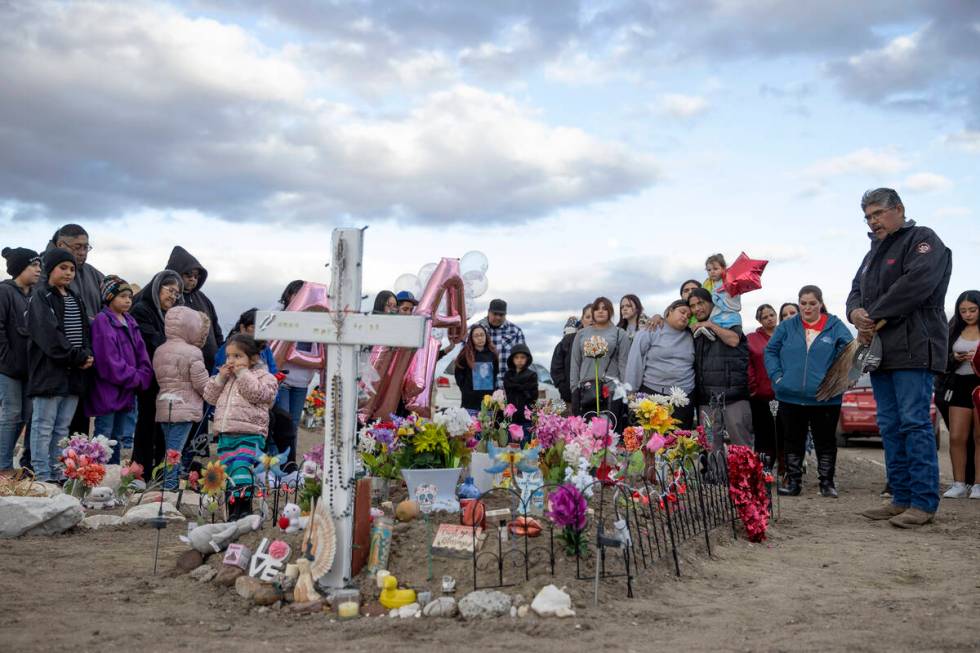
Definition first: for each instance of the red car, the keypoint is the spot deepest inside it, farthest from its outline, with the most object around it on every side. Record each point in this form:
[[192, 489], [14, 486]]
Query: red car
[[858, 414]]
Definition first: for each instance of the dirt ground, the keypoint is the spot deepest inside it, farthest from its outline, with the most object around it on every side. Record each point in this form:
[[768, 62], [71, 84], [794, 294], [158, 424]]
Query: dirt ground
[[826, 579]]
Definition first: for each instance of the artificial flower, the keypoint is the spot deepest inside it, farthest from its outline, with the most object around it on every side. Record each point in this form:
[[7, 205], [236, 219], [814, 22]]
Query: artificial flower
[[633, 438], [595, 347], [173, 458], [214, 478], [509, 411], [92, 474], [747, 487], [516, 432], [568, 507]]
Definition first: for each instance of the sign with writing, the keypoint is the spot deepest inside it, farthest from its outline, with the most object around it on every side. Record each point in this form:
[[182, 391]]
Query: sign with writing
[[238, 555], [456, 541], [266, 566]]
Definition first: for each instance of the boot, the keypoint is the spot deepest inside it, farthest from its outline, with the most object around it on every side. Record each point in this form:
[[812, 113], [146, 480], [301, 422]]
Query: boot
[[794, 475], [826, 466], [886, 511], [912, 518]]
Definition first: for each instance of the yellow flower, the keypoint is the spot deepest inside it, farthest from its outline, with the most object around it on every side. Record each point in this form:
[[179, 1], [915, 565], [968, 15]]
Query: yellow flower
[[214, 478], [431, 438]]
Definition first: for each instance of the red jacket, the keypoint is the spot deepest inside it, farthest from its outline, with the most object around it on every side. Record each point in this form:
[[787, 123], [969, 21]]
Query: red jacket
[[759, 385]]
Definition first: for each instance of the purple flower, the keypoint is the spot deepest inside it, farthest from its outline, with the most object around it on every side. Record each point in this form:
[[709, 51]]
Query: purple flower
[[315, 455], [383, 436], [568, 507]]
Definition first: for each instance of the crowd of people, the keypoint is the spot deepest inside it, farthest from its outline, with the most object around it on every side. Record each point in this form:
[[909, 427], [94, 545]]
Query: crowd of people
[[150, 368]]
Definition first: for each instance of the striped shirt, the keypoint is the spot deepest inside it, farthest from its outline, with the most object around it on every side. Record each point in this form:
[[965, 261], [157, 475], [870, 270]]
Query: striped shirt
[[73, 322]]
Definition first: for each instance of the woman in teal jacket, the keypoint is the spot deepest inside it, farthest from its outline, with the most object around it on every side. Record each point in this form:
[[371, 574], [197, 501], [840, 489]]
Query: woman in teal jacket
[[798, 356]]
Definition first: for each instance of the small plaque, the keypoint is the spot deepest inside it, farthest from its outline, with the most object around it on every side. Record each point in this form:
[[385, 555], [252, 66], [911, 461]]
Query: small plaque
[[456, 541], [238, 555]]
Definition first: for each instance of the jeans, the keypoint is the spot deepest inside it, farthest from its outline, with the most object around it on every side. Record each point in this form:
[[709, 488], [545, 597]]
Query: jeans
[[737, 418], [175, 435], [50, 421], [292, 400], [903, 398], [14, 413], [119, 426]]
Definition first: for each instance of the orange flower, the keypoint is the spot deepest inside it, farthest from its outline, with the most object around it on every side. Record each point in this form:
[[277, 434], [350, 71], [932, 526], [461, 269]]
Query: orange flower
[[92, 475], [633, 438]]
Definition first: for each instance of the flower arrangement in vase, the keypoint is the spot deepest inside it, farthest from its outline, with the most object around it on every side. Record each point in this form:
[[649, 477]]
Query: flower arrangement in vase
[[85, 461]]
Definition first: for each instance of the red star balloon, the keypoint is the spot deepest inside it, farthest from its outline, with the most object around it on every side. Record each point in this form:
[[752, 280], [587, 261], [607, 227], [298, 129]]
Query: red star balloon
[[744, 275]]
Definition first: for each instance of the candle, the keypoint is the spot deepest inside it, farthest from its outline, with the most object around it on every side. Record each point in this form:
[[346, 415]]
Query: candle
[[347, 610]]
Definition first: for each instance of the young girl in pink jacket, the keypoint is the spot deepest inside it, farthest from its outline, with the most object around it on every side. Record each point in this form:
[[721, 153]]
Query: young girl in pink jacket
[[242, 393]]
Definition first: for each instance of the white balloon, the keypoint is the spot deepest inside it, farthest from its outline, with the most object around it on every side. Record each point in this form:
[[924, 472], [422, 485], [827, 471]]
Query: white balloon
[[425, 273], [470, 307], [408, 282], [438, 334], [474, 260], [475, 287]]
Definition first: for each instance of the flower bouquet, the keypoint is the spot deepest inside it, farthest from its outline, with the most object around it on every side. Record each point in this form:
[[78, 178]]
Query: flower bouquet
[[131, 479], [84, 459], [376, 446], [310, 485], [747, 485], [568, 510], [426, 444], [313, 408], [494, 420]]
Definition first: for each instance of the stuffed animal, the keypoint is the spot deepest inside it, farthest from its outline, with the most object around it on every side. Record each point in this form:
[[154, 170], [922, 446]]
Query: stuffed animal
[[100, 498], [214, 538], [305, 590], [291, 520]]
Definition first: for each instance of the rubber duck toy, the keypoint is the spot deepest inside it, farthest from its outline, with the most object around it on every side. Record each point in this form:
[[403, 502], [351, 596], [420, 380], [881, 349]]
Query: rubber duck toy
[[392, 597]]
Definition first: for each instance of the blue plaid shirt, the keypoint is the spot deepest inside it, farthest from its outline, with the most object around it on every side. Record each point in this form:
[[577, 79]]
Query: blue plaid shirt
[[503, 338]]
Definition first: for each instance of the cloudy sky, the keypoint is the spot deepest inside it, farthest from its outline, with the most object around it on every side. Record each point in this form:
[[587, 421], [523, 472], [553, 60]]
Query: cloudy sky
[[584, 147]]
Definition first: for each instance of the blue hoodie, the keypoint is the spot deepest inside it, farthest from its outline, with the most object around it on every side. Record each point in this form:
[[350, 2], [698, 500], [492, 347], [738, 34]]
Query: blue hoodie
[[796, 372]]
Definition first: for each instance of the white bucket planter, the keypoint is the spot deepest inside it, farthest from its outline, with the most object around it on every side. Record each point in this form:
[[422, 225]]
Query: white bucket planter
[[444, 480]]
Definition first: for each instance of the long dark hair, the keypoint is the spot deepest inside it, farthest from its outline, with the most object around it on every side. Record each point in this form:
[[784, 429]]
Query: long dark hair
[[245, 320], [381, 302], [467, 357], [623, 323], [783, 307], [291, 289], [956, 323], [758, 312], [816, 292]]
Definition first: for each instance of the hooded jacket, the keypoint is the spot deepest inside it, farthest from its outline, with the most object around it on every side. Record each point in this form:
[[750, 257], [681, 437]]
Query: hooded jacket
[[13, 330], [87, 284], [122, 366], [561, 365], [241, 404], [181, 261], [179, 366], [521, 387], [903, 279], [147, 312], [54, 364], [795, 370]]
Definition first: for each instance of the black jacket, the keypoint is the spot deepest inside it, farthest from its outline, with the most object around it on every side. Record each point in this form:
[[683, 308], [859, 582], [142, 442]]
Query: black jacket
[[521, 387], [13, 330], [181, 261], [87, 284], [561, 366], [54, 365], [720, 369], [472, 399], [903, 279]]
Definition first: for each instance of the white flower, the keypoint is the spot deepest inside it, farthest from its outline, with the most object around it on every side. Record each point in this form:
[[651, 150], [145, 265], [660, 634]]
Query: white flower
[[500, 398], [660, 400], [366, 442], [678, 398], [573, 451], [595, 347], [456, 420]]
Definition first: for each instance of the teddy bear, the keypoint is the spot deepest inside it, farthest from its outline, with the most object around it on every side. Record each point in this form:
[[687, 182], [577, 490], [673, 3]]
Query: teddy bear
[[291, 519], [100, 498]]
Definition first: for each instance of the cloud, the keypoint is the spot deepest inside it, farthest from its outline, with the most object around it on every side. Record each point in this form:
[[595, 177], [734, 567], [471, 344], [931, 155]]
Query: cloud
[[865, 161], [684, 107], [952, 212], [926, 182], [199, 114], [967, 140]]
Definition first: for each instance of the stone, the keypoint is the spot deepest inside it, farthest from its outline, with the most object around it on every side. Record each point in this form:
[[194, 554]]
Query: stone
[[409, 610], [146, 512], [246, 586], [189, 561], [552, 602], [517, 600], [310, 607], [523, 610], [407, 510], [113, 477], [266, 594], [484, 604], [204, 573], [49, 489], [95, 522], [513, 612], [187, 498], [423, 598], [38, 515], [228, 575], [444, 607]]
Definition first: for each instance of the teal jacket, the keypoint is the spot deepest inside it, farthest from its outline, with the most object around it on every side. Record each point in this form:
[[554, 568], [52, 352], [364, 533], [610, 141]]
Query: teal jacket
[[795, 371]]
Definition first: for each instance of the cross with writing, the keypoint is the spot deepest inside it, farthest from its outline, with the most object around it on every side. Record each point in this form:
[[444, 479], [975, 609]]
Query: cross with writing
[[344, 330]]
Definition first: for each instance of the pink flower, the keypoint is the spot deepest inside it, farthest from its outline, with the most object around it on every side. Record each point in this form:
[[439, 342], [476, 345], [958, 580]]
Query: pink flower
[[516, 432], [656, 443], [173, 457], [527, 412], [510, 410], [477, 426], [600, 426]]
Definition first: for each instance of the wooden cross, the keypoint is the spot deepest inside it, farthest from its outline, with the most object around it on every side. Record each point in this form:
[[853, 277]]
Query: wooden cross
[[344, 330]]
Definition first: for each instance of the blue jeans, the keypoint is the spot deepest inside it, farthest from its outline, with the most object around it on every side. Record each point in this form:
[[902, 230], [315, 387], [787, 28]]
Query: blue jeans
[[119, 426], [292, 400], [174, 435], [50, 423], [903, 398], [14, 412]]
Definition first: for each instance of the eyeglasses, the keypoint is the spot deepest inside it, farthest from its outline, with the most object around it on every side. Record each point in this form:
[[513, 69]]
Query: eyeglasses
[[170, 290], [874, 215], [79, 248]]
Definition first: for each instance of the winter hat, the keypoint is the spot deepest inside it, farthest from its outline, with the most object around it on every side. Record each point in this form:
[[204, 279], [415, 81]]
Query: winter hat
[[571, 326], [112, 287], [55, 257], [18, 258]]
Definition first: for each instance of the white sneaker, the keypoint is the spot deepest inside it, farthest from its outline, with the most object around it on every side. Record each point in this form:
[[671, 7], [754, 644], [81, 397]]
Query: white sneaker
[[975, 492], [958, 490]]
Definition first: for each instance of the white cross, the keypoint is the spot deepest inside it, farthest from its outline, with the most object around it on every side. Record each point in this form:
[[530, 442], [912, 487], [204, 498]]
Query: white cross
[[344, 330]]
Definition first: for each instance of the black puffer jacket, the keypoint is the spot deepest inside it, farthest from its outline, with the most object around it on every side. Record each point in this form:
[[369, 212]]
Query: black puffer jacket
[[54, 364], [521, 387], [561, 366], [720, 369], [13, 330], [181, 261], [903, 279]]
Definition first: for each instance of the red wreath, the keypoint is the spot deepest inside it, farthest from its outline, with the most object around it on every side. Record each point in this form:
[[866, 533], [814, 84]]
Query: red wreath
[[747, 485]]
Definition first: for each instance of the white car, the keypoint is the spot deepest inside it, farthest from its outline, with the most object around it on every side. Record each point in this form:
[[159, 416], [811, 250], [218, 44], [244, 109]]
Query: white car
[[449, 396]]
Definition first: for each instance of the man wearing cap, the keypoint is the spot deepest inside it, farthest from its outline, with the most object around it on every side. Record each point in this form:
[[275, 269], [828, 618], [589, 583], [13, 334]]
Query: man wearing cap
[[24, 268], [504, 335], [406, 302]]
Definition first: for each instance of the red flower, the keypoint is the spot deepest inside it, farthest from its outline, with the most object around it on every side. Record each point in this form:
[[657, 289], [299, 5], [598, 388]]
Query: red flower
[[605, 392], [173, 458]]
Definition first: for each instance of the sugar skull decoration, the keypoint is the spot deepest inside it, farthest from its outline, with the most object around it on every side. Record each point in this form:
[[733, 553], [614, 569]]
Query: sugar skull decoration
[[425, 495]]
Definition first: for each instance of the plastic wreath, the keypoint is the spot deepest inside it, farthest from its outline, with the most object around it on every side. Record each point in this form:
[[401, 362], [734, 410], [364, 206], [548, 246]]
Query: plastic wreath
[[568, 509], [747, 486]]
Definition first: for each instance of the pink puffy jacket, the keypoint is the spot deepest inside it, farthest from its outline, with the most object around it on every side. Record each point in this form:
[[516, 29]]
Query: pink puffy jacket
[[241, 404], [179, 365]]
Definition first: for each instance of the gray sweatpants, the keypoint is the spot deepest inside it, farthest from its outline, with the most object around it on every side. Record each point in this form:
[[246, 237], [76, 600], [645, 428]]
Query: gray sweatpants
[[738, 423]]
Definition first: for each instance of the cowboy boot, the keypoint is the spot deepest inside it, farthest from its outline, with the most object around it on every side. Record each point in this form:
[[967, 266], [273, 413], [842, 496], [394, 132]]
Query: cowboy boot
[[826, 466], [794, 475]]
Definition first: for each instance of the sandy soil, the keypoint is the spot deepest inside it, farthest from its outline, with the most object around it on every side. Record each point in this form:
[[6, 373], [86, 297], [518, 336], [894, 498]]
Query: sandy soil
[[826, 579]]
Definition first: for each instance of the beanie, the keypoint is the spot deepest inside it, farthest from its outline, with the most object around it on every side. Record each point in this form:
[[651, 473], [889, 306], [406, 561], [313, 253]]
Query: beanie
[[112, 287], [55, 257], [18, 258]]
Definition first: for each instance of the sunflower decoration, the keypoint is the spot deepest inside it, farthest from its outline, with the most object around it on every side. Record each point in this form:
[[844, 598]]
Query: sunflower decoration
[[214, 478]]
